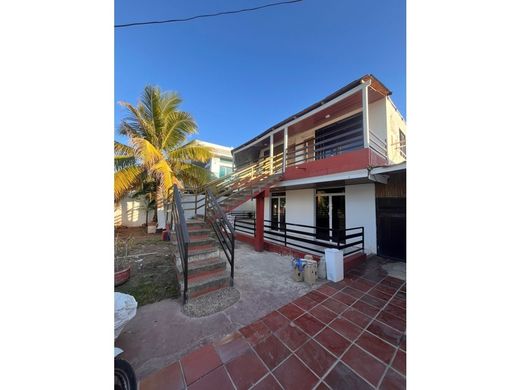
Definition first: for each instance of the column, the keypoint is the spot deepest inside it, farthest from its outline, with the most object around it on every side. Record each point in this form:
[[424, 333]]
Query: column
[[271, 151], [285, 142], [366, 127], [259, 222]]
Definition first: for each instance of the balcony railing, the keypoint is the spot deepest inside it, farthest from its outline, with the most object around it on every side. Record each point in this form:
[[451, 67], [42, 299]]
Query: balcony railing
[[307, 237], [378, 145], [310, 150]]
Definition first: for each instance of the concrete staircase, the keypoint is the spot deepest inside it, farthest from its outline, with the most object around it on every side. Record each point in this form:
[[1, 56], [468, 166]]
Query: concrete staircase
[[234, 200], [207, 258], [207, 271]]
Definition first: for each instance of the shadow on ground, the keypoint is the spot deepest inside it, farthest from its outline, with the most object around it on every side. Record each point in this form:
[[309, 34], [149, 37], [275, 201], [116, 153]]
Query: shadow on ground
[[160, 333]]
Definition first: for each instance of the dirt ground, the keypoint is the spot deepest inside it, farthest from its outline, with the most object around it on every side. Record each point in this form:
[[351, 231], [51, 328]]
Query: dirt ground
[[153, 276]]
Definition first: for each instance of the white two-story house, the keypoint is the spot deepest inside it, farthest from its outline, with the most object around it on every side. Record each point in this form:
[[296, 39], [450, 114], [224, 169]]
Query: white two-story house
[[332, 159]]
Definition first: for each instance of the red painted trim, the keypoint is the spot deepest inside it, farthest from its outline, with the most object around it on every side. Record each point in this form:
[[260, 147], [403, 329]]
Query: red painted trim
[[286, 251], [349, 161], [245, 238], [375, 160], [259, 228]]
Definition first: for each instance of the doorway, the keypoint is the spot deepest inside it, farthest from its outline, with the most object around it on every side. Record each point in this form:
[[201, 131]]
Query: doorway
[[330, 214], [391, 227], [278, 211]]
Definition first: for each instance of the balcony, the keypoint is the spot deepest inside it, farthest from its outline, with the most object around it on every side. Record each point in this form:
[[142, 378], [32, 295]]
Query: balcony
[[346, 131]]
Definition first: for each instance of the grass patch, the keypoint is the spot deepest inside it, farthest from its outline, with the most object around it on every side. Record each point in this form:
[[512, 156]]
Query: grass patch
[[153, 276]]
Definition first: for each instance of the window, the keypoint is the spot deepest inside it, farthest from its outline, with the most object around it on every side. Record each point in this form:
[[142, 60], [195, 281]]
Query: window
[[224, 171], [402, 143], [339, 137]]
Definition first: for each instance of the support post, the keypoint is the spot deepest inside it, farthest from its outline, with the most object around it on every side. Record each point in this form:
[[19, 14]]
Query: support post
[[366, 127], [259, 222], [285, 142], [271, 152]]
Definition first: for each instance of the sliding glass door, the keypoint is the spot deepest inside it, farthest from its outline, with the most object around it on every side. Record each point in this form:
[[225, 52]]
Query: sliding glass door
[[330, 214], [278, 211]]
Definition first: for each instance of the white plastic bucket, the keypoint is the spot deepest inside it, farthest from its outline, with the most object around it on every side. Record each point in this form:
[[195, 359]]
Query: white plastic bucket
[[334, 262]]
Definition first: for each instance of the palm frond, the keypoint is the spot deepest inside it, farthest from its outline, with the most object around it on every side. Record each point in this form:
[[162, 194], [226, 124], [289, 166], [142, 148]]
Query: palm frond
[[191, 175], [127, 179], [151, 109], [137, 124], [147, 152], [122, 162], [178, 126], [192, 151]]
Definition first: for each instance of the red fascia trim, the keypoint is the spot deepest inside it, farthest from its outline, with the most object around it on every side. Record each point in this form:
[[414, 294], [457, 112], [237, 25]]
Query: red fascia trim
[[350, 161]]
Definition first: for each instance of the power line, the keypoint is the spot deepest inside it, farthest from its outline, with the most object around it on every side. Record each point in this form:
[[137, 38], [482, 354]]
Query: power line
[[206, 15]]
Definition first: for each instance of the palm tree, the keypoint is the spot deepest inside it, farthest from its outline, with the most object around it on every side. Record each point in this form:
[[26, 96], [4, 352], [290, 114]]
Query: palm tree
[[158, 152]]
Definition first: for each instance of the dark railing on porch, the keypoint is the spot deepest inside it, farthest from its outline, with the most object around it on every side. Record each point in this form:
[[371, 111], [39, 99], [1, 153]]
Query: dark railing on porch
[[222, 228], [304, 237], [245, 225], [181, 234]]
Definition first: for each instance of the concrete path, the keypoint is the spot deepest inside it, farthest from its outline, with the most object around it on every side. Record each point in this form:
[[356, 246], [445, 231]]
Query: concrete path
[[160, 333]]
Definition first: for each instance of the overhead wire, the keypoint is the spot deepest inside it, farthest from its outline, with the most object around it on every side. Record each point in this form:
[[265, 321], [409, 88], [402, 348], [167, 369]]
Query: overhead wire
[[206, 15]]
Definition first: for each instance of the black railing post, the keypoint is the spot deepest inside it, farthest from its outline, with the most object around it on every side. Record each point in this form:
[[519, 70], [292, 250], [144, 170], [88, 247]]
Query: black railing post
[[285, 236], [363, 238], [185, 294]]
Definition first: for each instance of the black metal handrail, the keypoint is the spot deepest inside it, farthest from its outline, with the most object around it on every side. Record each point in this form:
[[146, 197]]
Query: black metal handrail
[[222, 228], [245, 225], [181, 234], [349, 240]]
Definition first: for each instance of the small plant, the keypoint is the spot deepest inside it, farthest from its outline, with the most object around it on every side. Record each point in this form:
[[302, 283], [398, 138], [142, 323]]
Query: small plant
[[122, 246]]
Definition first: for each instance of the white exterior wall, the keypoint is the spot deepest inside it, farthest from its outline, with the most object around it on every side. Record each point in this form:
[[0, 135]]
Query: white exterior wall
[[216, 163], [377, 118], [247, 206], [361, 211], [299, 206], [395, 122], [267, 207], [132, 213]]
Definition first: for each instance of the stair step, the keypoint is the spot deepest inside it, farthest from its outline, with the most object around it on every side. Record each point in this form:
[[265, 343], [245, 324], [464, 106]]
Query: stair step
[[199, 266], [206, 285], [196, 228], [198, 233], [205, 275], [199, 240], [202, 253]]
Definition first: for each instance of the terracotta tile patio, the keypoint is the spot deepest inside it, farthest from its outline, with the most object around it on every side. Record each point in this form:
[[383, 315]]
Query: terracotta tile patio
[[345, 335]]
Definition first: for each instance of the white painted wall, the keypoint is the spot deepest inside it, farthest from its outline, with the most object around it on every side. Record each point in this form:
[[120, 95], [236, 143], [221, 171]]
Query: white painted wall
[[299, 206], [246, 206], [132, 213], [361, 211], [395, 122], [377, 118]]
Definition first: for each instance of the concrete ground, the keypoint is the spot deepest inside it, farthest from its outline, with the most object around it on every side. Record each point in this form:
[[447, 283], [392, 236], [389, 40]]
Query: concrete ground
[[160, 333]]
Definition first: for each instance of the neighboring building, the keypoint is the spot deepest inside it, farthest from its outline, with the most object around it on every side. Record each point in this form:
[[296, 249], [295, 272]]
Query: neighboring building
[[334, 159], [131, 212], [221, 164]]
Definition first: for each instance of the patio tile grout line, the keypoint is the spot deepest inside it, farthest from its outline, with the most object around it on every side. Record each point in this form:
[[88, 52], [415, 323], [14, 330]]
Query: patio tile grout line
[[364, 329], [321, 379]]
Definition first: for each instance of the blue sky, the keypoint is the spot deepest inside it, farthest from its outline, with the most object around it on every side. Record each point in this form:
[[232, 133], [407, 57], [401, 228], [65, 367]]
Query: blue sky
[[240, 74]]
